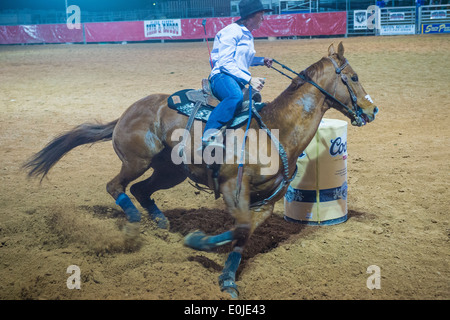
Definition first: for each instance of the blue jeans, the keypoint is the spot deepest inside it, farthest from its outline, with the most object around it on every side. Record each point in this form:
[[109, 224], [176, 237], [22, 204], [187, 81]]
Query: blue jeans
[[229, 91]]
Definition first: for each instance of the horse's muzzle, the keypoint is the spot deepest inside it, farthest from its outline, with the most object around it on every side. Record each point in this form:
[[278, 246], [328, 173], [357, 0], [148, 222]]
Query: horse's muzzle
[[360, 118]]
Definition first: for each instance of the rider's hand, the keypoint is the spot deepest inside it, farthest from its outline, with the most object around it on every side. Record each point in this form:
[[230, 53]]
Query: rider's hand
[[257, 83], [268, 62]]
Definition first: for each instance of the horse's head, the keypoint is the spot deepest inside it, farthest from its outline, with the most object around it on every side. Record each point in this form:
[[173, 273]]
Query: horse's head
[[355, 102]]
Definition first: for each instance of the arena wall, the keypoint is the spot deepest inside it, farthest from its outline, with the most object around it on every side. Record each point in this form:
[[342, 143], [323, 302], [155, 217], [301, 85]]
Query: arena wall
[[286, 25]]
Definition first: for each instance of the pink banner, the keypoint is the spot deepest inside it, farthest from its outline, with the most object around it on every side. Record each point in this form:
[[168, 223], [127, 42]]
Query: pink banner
[[42, 33], [193, 28], [310, 24], [326, 23], [115, 31], [277, 26]]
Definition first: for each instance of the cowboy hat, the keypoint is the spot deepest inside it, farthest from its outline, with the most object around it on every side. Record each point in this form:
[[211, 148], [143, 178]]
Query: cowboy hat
[[249, 7]]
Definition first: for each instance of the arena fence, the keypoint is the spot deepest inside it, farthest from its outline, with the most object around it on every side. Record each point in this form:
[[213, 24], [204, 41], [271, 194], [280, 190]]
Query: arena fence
[[434, 19], [399, 20], [313, 24], [381, 21]]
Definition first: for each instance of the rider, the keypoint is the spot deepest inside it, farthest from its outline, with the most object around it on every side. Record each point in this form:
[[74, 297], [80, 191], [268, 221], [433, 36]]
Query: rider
[[232, 55]]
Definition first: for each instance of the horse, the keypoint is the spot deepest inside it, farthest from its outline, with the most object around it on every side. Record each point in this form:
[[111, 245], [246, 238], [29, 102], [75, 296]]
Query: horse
[[143, 138]]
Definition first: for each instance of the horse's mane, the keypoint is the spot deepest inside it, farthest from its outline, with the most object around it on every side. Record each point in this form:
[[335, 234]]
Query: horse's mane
[[316, 69]]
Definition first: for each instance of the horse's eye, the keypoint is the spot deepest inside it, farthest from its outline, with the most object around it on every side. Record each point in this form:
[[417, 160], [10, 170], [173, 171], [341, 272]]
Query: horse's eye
[[355, 78]]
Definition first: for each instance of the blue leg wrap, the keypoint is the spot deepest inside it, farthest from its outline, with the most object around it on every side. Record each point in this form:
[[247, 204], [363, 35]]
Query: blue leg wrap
[[157, 215], [220, 239], [228, 276], [132, 213], [198, 240]]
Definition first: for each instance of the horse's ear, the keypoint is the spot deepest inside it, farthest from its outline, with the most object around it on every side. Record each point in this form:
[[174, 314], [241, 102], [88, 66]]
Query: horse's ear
[[341, 51], [331, 50]]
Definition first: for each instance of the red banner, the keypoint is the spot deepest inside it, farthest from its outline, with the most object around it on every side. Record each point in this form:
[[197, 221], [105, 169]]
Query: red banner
[[277, 26], [114, 31], [326, 23], [310, 24], [41, 33], [193, 28]]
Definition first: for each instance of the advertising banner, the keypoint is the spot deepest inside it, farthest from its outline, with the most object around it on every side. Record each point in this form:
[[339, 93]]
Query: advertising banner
[[277, 26], [45, 33], [162, 28], [360, 19], [392, 30], [115, 31], [309, 24], [436, 28], [193, 28], [323, 23], [396, 16], [438, 14]]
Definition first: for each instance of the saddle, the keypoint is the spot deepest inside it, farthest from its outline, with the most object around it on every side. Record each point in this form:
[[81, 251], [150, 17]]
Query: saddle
[[198, 104]]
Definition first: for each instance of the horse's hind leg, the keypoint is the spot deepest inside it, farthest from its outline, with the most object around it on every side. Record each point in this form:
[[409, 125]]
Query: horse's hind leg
[[165, 175], [116, 188]]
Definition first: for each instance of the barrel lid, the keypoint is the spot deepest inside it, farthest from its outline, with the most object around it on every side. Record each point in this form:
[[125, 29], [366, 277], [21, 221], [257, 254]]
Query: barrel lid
[[332, 123]]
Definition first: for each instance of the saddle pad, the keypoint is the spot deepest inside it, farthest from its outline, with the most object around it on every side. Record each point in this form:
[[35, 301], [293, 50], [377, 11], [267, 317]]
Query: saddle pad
[[180, 102]]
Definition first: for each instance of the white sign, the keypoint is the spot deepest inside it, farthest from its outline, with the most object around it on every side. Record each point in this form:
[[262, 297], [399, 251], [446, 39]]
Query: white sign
[[359, 19], [396, 16], [391, 30], [162, 28], [438, 14]]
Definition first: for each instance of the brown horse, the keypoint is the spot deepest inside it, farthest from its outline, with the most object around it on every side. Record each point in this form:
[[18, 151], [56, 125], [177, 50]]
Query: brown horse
[[143, 138]]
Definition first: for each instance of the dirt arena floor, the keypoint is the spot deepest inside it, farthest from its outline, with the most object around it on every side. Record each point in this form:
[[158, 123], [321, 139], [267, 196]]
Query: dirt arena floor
[[398, 176]]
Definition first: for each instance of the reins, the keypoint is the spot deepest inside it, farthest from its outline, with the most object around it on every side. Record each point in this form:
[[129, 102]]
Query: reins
[[281, 151], [338, 70]]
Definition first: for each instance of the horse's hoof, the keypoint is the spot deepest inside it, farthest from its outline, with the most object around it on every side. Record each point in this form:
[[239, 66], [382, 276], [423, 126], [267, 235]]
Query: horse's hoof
[[161, 220], [230, 287], [132, 230], [197, 240], [156, 215]]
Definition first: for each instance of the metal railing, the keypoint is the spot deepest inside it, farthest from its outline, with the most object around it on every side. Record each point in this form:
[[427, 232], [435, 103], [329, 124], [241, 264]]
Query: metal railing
[[25, 17], [391, 18], [434, 14], [397, 19], [298, 6], [352, 31], [402, 20], [167, 10]]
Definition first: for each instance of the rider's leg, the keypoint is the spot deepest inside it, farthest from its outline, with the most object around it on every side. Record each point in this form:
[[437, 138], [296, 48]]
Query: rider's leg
[[229, 92]]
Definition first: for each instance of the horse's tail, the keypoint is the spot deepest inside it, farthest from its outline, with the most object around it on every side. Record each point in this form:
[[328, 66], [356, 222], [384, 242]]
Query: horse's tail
[[41, 162]]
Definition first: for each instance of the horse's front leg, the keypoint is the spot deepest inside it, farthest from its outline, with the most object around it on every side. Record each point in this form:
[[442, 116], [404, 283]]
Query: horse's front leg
[[241, 234], [238, 203], [238, 206]]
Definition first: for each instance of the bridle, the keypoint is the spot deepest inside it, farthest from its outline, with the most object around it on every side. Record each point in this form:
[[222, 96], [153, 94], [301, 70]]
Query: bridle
[[355, 112]]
